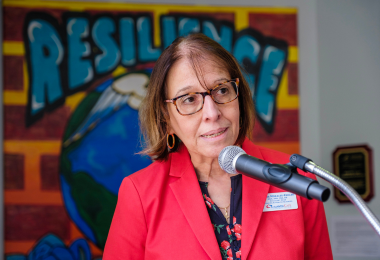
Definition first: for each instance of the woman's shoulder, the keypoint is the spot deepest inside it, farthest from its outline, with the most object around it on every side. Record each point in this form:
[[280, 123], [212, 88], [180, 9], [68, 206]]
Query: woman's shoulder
[[265, 153], [152, 173], [270, 155], [146, 183], [158, 175], [274, 155], [154, 167]]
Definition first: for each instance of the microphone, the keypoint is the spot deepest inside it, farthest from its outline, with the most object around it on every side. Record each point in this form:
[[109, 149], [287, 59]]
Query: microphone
[[233, 159]]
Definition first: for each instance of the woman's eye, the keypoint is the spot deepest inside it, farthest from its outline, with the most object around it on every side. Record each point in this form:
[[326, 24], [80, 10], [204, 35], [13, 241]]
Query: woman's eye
[[188, 100], [222, 90]]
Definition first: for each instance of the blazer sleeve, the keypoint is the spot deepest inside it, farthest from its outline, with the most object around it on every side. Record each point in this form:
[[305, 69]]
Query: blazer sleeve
[[317, 241], [127, 235]]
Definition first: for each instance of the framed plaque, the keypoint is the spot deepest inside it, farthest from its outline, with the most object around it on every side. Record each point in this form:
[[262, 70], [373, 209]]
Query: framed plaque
[[353, 164]]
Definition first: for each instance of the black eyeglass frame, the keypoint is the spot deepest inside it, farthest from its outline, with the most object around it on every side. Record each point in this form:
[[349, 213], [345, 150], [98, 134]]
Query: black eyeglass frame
[[204, 94]]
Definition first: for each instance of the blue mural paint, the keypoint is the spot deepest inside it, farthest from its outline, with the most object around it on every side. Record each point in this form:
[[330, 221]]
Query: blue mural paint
[[145, 45], [50, 247], [80, 69], [79, 249], [107, 153], [127, 41], [46, 54], [247, 47], [169, 31], [102, 32], [104, 85], [187, 26], [269, 79], [224, 38], [247, 50], [104, 152], [15, 257]]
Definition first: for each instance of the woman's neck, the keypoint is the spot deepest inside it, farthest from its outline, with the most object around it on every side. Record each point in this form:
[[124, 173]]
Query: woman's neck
[[207, 168]]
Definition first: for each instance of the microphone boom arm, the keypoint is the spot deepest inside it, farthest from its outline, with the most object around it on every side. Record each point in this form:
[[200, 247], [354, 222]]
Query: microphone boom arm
[[307, 165]]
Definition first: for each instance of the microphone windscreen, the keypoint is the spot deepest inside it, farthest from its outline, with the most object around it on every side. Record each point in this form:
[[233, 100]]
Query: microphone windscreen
[[227, 158]]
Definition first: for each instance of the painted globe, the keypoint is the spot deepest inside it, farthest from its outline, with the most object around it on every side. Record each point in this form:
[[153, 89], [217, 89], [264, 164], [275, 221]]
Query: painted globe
[[99, 148]]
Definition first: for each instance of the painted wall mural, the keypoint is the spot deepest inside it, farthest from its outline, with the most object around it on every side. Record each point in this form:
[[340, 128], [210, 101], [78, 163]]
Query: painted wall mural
[[74, 77]]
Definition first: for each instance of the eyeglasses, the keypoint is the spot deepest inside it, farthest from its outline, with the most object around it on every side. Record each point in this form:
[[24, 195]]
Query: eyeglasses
[[192, 103]]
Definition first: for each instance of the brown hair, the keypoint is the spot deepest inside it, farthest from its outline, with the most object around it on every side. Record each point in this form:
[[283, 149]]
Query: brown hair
[[154, 113]]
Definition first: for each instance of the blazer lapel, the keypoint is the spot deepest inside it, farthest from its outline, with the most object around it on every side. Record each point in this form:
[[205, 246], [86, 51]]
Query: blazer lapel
[[254, 197], [189, 197]]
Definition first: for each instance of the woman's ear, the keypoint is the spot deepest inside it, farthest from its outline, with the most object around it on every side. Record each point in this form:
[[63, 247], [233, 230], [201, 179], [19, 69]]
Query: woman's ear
[[169, 129]]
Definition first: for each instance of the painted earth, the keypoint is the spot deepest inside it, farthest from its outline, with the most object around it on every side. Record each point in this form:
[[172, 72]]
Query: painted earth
[[99, 149]]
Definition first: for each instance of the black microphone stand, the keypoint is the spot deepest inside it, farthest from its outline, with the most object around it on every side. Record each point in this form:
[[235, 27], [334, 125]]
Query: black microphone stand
[[308, 165]]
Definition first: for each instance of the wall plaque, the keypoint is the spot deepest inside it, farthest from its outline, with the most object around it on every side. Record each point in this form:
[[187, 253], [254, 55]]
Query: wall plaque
[[353, 164]]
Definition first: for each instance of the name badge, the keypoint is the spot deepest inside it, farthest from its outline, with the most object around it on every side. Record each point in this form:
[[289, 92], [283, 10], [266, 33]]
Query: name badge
[[280, 201]]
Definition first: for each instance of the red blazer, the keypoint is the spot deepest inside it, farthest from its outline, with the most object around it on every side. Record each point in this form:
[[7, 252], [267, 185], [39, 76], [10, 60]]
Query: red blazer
[[161, 214]]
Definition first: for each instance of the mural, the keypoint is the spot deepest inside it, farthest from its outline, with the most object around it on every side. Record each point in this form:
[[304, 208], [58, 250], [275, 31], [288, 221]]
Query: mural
[[74, 77]]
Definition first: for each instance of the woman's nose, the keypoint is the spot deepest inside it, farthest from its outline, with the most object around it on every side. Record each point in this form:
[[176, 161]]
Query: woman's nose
[[210, 109]]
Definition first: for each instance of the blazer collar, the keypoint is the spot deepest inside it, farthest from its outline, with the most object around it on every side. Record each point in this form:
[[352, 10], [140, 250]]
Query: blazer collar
[[189, 197], [188, 194], [180, 162]]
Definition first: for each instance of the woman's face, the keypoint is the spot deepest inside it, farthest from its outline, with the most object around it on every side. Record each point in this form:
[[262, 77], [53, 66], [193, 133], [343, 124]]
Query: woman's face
[[216, 126]]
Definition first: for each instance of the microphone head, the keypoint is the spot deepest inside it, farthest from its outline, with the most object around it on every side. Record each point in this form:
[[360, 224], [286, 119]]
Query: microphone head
[[228, 157]]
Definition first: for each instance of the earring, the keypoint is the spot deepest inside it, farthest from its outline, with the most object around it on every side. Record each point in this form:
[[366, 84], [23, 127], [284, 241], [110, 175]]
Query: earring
[[172, 141]]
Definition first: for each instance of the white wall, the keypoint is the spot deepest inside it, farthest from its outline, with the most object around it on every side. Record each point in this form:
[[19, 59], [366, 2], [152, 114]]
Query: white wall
[[349, 85]]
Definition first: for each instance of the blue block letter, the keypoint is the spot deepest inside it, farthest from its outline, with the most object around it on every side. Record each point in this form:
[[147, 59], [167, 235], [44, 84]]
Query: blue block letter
[[269, 79], [188, 25], [80, 71], [168, 28], [46, 54], [102, 34], [127, 41], [145, 45], [247, 50], [225, 37]]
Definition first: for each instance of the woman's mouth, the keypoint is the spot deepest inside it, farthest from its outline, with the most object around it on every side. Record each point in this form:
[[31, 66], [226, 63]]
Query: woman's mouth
[[215, 134]]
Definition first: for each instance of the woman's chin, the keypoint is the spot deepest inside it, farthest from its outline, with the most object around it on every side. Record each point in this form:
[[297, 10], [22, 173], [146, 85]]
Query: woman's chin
[[212, 151]]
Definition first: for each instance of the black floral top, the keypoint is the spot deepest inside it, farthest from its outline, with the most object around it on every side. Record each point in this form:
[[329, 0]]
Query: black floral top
[[227, 235]]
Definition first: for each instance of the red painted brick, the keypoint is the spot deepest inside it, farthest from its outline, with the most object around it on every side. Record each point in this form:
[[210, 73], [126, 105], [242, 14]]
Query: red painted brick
[[281, 26], [13, 171], [293, 78], [14, 20], [13, 74], [50, 172], [50, 127], [31, 222], [13, 27], [286, 128]]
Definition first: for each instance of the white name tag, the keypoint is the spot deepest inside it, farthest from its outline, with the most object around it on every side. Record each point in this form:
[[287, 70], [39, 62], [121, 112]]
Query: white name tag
[[280, 201]]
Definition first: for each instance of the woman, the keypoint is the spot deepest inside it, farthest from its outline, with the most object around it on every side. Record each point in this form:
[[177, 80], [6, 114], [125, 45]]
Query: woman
[[184, 206]]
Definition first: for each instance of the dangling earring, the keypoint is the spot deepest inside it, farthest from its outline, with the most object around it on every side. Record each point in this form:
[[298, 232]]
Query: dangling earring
[[170, 141]]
